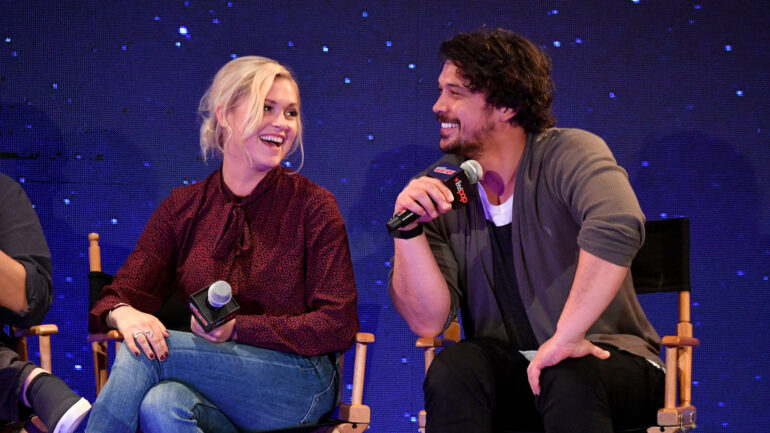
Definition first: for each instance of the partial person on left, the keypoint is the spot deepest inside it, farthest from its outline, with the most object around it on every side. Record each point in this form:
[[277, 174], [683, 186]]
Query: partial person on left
[[26, 293]]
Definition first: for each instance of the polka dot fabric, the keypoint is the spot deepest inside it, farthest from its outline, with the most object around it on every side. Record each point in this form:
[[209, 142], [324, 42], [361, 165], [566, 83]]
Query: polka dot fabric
[[283, 249]]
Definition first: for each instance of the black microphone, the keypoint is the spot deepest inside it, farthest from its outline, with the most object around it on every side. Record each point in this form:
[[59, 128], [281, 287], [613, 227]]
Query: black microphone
[[457, 179], [213, 305]]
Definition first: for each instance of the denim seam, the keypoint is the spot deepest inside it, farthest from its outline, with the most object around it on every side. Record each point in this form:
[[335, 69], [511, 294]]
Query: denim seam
[[296, 364], [312, 405]]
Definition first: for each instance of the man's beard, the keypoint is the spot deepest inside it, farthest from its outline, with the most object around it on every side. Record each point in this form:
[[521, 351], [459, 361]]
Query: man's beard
[[471, 148], [465, 148]]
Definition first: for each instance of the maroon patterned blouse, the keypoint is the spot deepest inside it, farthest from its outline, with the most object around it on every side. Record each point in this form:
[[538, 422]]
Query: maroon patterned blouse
[[283, 249]]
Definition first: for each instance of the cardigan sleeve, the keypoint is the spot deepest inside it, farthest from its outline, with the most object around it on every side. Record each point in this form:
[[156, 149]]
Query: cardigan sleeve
[[588, 180], [330, 321]]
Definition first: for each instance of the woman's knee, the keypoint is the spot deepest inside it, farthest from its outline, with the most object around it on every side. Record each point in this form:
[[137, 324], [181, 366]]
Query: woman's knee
[[127, 359], [164, 402], [174, 406], [161, 399]]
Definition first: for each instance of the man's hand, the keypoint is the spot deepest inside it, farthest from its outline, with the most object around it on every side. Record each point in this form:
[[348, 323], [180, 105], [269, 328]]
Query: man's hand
[[556, 350], [219, 334], [426, 196]]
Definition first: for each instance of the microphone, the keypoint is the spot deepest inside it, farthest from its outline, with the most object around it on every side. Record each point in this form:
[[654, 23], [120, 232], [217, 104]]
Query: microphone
[[457, 179], [213, 305]]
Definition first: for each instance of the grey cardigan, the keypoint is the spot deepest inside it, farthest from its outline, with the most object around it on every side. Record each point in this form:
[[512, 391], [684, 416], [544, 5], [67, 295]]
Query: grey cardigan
[[569, 194]]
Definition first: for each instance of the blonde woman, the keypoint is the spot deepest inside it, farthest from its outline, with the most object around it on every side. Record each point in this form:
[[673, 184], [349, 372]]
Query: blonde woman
[[277, 238]]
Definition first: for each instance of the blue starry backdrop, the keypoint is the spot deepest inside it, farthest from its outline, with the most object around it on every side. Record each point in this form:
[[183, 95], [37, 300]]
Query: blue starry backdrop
[[98, 123]]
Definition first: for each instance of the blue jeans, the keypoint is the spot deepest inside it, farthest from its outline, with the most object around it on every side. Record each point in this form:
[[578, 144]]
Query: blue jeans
[[213, 387]]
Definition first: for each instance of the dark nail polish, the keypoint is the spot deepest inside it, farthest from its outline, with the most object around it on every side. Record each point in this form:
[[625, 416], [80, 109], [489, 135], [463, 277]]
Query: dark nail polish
[[136, 353], [152, 356]]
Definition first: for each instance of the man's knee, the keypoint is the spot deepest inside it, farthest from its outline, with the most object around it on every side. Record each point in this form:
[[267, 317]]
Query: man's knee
[[572, 375], [451, 366], [470, 366], [475, 385], [573, 390]]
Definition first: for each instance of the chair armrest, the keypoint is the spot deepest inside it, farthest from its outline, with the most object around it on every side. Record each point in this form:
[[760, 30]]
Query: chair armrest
[[36, 330], [448, 338], [679, 341], [428, 342], [112, 335], [364, 337], [43, 332]]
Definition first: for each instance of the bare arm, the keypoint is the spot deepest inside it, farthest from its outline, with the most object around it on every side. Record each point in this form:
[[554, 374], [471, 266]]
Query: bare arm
[[418, 288], [595, 285], [13, 290]]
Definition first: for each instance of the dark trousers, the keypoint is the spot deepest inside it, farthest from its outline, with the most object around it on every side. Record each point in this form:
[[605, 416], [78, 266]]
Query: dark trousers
[[12, 375], [481, 386]]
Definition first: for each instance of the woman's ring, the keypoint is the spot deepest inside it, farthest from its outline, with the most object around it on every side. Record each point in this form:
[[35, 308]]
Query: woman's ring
[[136, 333], [148, 333]]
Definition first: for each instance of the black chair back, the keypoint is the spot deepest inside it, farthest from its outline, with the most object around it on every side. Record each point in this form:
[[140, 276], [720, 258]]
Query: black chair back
[[174, 313], [663, 262]]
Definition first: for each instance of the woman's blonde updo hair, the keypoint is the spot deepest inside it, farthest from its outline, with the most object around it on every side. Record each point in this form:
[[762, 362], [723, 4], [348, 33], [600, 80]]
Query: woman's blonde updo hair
[[249, 76]]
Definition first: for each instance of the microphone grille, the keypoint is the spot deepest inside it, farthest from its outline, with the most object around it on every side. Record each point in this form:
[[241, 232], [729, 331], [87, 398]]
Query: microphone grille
[[220, 294], [473, 169]]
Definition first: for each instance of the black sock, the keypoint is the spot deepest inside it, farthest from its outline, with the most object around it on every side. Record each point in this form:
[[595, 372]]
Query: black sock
[[50, 398]]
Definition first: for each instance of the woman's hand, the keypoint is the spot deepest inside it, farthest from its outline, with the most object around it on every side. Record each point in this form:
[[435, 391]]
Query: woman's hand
[[141, 330], [219, 334]]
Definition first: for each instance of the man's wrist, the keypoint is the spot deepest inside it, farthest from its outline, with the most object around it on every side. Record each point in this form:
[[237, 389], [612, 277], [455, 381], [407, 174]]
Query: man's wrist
[[408, 233]]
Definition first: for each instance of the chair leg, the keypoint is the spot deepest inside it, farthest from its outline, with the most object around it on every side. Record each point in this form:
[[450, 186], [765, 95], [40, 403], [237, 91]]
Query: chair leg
[[99, 349], [44, 341], [21, 348]]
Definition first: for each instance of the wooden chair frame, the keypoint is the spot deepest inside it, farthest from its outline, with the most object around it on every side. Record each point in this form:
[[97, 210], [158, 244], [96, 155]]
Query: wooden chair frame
[[43, 332], [352, 417]]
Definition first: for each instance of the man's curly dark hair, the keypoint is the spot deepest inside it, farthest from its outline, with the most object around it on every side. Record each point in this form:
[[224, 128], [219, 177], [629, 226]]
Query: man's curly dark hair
[[510, 70]]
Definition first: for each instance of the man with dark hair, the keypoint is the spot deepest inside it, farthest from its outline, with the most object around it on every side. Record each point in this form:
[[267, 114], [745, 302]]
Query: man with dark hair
[[26, 292], [538, 265]]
